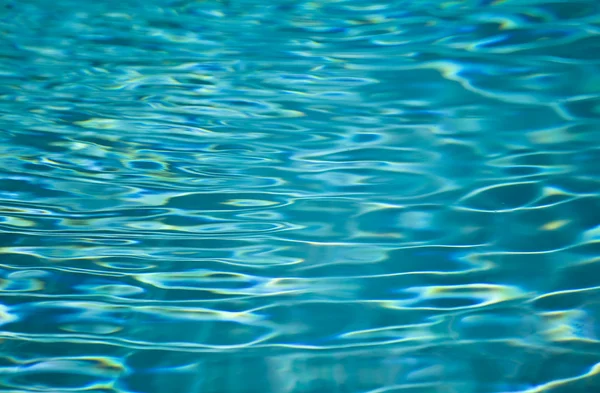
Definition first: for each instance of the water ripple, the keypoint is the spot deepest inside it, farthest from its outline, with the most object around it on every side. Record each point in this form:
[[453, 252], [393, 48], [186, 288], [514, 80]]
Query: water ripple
[[310, 196]]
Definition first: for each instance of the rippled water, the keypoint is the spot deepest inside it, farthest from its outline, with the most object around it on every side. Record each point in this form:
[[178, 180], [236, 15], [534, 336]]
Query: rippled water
[[292, 196]]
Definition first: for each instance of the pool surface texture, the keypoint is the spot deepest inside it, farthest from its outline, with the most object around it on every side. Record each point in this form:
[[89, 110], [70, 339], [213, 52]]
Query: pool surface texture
[[328, 196]]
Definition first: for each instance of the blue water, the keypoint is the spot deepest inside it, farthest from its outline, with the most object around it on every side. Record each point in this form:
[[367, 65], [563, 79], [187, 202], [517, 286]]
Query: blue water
[[300, 196]]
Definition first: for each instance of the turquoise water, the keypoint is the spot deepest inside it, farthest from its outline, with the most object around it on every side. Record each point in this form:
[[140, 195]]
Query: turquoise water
[[300, 197]]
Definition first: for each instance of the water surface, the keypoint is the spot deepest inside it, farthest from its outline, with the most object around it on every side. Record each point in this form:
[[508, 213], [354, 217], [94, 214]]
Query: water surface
[[300, 197]]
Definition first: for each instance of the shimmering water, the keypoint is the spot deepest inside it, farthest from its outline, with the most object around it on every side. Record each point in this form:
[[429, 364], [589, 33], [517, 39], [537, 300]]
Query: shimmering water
[[300, 197]]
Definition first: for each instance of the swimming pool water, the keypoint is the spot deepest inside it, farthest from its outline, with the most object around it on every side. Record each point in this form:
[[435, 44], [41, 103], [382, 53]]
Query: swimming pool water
[[300, 196]]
